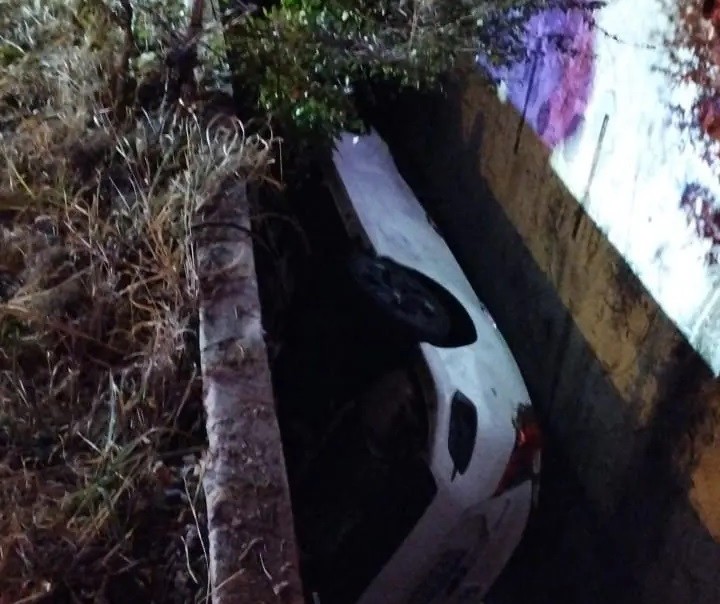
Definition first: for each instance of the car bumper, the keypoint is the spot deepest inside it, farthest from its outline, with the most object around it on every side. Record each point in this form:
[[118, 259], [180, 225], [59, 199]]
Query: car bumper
[[507, 518], [457, 564]]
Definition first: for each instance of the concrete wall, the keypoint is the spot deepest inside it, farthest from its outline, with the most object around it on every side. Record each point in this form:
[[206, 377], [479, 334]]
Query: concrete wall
[[633, 514]]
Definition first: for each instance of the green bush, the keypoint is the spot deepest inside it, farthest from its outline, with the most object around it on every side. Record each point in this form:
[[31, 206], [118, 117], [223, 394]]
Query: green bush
[[303, 59]]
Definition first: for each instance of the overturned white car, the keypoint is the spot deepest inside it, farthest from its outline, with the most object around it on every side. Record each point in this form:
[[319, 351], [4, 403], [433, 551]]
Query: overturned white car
[[484, 448], [413, 475]]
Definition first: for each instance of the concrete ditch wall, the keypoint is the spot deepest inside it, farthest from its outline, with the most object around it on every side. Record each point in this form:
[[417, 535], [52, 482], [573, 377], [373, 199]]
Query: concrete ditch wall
[[634, 410]]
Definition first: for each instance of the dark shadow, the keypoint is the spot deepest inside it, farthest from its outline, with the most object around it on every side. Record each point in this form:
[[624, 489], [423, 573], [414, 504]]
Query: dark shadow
[[573, 552], [353, 504]]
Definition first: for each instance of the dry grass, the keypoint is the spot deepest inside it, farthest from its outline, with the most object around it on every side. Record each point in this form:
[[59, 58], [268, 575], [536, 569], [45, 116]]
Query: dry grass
[[103, 168]]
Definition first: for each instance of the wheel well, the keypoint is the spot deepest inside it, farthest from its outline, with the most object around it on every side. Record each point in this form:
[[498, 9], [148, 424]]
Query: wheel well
[[462, 329]]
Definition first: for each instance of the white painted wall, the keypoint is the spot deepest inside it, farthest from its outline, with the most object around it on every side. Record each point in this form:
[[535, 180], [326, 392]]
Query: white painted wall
[[643, 161]]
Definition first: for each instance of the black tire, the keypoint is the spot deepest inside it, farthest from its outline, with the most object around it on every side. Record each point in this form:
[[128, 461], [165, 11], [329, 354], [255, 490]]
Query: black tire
[[403, 297]]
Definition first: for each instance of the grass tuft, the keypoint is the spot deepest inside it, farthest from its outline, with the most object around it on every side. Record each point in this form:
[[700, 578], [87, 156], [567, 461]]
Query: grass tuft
[[106, 160]]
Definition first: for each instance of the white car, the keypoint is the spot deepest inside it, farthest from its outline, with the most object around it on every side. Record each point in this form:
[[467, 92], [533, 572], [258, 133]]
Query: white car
[[483, 450]]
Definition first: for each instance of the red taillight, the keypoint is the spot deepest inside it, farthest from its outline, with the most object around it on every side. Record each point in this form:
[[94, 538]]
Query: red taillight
[[524, 461]]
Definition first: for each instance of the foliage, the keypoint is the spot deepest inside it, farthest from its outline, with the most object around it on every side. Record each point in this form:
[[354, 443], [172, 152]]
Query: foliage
[[303, 60]]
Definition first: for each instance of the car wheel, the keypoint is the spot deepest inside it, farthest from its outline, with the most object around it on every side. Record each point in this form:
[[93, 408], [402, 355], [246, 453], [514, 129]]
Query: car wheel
[[403, 296]]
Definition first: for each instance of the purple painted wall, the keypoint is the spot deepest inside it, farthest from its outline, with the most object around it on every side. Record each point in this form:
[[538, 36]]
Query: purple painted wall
[[552, 86]]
